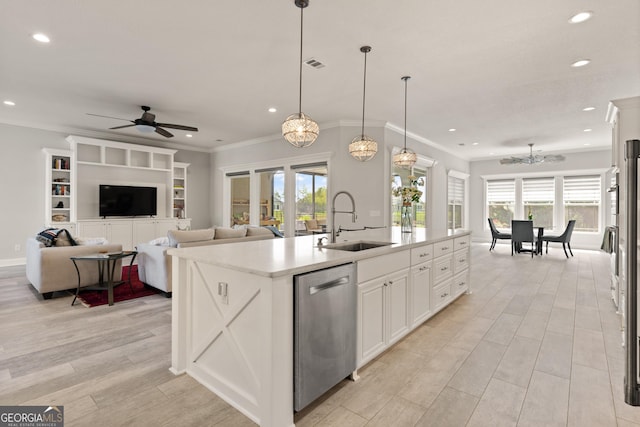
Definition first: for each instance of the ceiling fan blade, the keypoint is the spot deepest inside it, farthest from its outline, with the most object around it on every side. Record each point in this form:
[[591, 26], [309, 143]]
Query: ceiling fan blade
[[510, 161], [163, 132], [180, 127], [554, 158], [121, 127], [108, 117]]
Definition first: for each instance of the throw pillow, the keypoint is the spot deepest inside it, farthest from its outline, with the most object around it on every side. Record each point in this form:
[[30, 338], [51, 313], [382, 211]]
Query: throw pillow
[[258, 231], [51, 236]]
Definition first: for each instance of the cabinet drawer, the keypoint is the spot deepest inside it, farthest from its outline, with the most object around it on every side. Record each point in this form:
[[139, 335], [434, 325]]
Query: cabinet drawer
[[441, 295], [442, 268], [421, 254], [442, 248], [460, 283], [378, 266], [461, 242], [460, 261]]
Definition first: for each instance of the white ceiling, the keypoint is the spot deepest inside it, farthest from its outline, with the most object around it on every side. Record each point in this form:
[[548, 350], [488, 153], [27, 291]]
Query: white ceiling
[[498, 71]]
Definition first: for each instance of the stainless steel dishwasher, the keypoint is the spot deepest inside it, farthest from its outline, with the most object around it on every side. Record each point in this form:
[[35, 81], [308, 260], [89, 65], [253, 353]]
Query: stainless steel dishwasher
[[324, 331]]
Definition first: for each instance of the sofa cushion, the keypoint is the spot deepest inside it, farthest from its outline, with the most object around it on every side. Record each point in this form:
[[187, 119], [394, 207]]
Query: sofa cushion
[[229, 233], [185, 236], [258, 231]]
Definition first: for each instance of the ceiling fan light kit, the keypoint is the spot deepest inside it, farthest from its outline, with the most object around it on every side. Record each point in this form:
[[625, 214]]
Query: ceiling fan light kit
[[531, 159], [406, 158], [299, 129], [362, 147]]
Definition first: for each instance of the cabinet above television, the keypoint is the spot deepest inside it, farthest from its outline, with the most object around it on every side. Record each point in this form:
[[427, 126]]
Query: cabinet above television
[[101, 162]]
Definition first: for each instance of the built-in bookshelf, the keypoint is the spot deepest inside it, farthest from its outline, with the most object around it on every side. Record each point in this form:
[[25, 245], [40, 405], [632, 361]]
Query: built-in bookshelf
[[59, 188], [180, 189]]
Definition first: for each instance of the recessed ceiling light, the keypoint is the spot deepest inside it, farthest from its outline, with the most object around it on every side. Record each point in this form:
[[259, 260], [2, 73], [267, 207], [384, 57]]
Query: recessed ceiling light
[[580, 63], [10, 103], [586, 143], [588, 130], [580, 17], [189, 135], [588, 108], [491, 154], [452, 130], [475, 143], [272, 110], [42, 38]]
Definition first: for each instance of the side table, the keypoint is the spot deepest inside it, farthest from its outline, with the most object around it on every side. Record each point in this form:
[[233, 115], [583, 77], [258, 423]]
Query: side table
[[105, 261]]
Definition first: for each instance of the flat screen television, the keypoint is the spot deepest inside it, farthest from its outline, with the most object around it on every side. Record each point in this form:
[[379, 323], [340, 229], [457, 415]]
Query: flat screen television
[[123, 200]]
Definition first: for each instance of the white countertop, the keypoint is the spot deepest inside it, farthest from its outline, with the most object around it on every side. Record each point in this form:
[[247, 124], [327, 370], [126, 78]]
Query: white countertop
[[295, 255]]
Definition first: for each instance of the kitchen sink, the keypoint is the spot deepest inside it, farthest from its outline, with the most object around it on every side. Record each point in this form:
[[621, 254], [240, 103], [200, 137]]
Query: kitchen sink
[[356, 246]]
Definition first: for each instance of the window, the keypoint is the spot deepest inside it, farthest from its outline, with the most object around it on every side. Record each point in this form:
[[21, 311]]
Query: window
[[581, 195], [501, 200], [271, 197], [240, 198], [538, 196], [401, 178], [455, 196], [311, 195]]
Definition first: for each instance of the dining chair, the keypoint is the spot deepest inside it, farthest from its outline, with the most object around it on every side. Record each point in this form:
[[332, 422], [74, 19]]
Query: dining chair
[[522, 232], [564, 238], [495, 234]]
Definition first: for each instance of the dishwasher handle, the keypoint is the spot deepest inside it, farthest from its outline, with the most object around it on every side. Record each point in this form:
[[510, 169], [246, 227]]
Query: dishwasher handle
[[332, 284]]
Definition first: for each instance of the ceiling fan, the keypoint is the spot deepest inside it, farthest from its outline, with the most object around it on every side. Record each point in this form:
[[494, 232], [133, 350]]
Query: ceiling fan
[[147, 123], [531, 159]]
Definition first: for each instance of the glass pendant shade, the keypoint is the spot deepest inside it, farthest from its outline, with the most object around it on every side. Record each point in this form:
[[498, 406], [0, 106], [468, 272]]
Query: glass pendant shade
[[300, 130], [406, 158], [363, 148]]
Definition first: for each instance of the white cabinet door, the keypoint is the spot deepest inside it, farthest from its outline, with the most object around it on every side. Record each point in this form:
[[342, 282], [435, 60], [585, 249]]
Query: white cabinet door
[[121, 232], [420, 293], [163, 226], [371, 320], [144, 231], [397, 288], [92, 229]]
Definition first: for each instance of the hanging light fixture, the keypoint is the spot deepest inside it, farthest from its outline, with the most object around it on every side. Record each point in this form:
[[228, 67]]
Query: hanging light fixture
[[406, 158], [362, 147], [299, 129]]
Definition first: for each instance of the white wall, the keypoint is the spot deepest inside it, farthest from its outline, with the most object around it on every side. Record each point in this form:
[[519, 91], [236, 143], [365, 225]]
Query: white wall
[[588, 161], [22, 175]]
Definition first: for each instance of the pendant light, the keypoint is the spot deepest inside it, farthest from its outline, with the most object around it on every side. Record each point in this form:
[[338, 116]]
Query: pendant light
[[406, 158], [362, 147], [299, 129]]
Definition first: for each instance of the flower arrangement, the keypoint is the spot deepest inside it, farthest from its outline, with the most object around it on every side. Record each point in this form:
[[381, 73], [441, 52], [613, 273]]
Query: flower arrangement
[[410, 194]]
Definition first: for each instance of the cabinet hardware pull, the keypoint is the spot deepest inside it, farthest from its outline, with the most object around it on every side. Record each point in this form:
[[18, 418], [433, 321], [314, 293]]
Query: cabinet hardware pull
[[423, 255], [422, 268], [444, 295], [462, 260], [444, 269], [391, 282]]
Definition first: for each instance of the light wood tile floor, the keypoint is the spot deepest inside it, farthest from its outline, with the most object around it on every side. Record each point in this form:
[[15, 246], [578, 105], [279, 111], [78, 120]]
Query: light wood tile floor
[[537, 343]]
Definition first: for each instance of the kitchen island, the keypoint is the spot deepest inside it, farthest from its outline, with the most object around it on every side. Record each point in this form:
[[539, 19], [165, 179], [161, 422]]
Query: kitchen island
[[233, 307]]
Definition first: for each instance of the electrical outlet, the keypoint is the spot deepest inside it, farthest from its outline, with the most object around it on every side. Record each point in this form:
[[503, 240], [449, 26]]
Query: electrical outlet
[[17, 247]]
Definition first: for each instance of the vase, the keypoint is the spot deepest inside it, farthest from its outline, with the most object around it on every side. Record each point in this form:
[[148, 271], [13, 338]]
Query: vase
[[406, 218]]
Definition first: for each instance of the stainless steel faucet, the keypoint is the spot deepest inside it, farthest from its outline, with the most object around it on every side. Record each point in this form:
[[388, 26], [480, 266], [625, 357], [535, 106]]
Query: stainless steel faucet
[[354, 216]]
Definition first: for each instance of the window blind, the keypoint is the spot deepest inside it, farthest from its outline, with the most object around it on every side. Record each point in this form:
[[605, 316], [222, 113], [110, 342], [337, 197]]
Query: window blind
[[455, 191], [581, 190], [538, 190], [501, 191]]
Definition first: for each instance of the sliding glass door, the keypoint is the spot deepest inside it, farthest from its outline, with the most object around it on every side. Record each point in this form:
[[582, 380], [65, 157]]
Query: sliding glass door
[[311, 197]]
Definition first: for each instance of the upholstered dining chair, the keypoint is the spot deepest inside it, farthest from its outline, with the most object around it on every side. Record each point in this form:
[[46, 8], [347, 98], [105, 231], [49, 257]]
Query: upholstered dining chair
[[564, 238], [522, 232], [495, 234]]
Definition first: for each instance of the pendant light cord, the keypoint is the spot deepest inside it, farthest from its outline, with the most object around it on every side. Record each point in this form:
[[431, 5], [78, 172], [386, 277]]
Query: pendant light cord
[[300, 89], [405, 78], [364, 90]]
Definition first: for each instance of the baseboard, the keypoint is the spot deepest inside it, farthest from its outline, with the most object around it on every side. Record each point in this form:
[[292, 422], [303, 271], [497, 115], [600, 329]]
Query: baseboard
[[9, 262]]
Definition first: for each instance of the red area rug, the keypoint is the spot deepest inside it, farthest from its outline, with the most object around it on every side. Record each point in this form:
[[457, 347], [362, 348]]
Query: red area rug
[[120, 293]]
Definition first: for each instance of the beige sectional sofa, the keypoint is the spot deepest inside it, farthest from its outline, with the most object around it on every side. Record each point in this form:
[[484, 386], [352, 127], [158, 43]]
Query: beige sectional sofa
[[154, 265], [50, 269]]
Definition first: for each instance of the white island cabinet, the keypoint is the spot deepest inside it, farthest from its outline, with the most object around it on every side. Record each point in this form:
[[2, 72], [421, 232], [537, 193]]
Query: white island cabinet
[[232, 313]]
